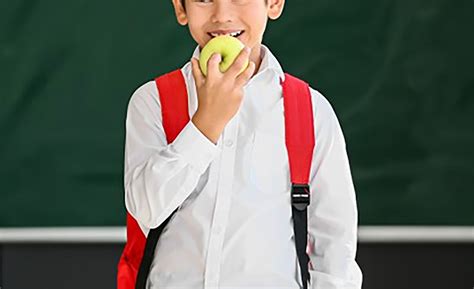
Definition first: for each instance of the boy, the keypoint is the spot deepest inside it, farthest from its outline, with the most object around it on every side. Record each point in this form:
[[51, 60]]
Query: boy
[[227, 171]]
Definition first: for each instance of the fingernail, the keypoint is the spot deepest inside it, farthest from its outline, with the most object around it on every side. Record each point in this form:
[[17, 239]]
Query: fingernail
[[247, 49]]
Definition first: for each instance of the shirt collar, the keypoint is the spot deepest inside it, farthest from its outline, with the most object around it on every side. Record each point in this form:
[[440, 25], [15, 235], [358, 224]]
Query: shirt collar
[[269, 61]]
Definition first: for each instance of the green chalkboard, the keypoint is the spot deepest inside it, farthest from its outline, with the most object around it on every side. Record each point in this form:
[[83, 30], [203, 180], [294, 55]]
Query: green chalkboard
[[398, 73]]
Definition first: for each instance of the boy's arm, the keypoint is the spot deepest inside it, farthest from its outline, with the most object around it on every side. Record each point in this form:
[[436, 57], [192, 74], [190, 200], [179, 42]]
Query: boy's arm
[[332, 213], [158, 177]]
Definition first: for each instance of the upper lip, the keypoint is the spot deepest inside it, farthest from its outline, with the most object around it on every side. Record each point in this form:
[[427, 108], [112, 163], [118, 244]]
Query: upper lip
[[226, 31]]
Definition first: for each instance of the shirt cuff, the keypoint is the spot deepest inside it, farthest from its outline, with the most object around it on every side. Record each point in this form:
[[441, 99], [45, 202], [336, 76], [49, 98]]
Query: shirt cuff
[[195, 148]]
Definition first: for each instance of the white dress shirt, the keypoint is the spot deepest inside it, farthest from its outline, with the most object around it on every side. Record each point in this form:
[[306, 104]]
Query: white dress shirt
[[233, 228]]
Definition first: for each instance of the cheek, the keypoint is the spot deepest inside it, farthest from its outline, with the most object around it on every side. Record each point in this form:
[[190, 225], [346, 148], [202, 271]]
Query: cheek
[[196, 24], [197, 32], [257, 22]]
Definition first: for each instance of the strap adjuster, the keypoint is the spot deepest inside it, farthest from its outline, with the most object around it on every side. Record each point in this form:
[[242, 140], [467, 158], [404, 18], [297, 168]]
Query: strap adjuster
[[300, 196]]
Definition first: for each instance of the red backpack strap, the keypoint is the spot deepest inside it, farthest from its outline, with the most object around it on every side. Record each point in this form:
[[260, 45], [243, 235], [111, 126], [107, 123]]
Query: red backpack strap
[[138, 254], [299, 127], [300, 142], [174, 103]]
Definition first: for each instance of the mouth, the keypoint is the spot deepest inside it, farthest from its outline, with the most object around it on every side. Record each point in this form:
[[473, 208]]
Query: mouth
[[237, 34]]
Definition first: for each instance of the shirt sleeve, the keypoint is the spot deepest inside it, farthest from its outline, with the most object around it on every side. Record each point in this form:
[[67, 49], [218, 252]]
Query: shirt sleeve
[[332, 213], [158, 176]]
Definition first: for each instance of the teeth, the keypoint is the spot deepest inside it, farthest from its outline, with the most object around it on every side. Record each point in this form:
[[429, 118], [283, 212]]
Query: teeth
[[233, 34]]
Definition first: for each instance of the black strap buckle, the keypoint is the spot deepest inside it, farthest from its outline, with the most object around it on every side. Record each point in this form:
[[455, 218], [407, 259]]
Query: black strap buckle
[[300, 196]]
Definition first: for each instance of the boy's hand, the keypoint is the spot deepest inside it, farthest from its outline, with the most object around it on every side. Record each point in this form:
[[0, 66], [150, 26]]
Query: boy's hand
[[219, 94]]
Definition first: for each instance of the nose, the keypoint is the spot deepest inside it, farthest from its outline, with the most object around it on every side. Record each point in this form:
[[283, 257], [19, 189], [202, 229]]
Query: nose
[[222, 12]]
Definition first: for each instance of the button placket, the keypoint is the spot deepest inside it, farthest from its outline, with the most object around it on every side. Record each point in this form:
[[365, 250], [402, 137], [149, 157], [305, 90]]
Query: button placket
[[222, 204]]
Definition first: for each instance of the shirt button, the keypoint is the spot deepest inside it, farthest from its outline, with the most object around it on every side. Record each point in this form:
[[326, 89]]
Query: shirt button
[[229, 143]]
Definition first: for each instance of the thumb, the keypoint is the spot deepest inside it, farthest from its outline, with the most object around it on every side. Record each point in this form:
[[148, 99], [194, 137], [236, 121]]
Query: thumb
[[197, 73], [245, 76]]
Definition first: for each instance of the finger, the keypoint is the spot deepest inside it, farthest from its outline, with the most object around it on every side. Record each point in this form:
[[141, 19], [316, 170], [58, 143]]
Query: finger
[[197, 73], [213, 65], [245, 75], [239, 62]]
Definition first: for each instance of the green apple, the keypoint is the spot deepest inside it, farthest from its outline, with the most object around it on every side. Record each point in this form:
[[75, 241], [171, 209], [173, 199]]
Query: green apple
[[227, 46]]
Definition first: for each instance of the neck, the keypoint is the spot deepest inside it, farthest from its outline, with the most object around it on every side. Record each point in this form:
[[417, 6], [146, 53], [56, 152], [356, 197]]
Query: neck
[[256, 57]]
